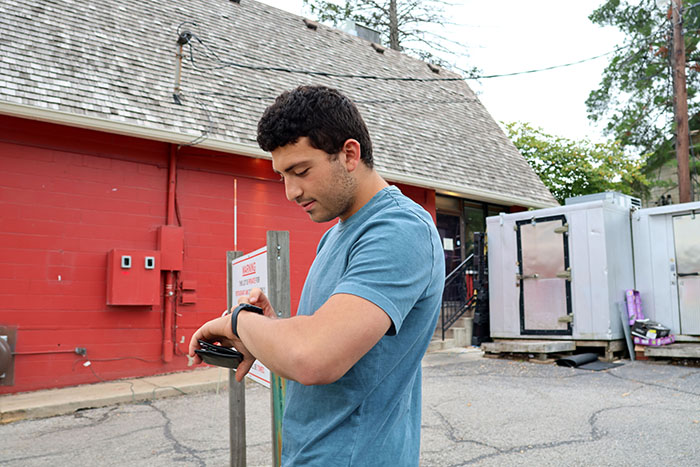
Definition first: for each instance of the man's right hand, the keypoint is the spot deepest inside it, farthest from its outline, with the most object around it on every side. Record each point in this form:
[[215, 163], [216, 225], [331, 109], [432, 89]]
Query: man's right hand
[[259, 299]]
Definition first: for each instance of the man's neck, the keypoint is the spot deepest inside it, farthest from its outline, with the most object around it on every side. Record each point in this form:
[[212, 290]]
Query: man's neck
[[369, 184]]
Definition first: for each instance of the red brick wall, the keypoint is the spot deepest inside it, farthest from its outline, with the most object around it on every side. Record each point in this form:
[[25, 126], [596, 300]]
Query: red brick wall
[[68, 196]]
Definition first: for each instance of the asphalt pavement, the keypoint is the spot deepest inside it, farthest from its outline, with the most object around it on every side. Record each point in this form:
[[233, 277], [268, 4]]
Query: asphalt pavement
[[476, 411]]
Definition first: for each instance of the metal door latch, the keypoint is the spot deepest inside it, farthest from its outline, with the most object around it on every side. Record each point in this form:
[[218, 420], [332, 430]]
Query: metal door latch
[[526, 276], [565, 274]]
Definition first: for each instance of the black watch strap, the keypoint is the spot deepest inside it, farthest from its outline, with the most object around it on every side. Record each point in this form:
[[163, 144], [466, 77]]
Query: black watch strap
[[237, 310]]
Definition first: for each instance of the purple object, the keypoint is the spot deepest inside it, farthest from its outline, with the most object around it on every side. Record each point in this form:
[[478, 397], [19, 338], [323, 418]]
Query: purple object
[[655, 342], [634, 312], [634, 306]]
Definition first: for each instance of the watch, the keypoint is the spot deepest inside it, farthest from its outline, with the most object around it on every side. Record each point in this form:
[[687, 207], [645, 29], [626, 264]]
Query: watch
[[237, 310]]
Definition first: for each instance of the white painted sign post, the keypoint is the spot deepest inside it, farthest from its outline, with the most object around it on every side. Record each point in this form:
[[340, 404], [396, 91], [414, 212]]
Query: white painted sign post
[[248, 272], [243, 274]]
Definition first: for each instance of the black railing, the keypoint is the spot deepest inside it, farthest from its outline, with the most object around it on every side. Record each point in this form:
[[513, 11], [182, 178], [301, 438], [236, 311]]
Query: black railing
[[458, 298]]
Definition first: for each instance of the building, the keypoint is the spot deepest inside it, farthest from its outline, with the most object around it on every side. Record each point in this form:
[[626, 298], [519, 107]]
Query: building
[[126, 124]]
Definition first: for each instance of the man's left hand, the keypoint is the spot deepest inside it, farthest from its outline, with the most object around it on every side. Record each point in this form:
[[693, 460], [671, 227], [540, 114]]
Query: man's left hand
[[219, 330]]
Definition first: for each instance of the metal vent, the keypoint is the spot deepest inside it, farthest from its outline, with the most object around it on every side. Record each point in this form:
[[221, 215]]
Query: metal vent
[[368, 34], [363, 32], [379, 48], [313, 25]]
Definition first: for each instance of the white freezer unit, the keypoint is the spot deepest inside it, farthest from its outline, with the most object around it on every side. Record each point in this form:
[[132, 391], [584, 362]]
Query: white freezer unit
[[558, 273], [667, 265]]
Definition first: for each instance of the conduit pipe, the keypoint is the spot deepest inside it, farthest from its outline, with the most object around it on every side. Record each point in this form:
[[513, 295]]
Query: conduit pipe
[[169, 292]]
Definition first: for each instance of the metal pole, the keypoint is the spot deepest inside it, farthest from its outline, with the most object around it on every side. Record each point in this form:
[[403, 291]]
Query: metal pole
[[279, 295], [169, 287], [236, 390]]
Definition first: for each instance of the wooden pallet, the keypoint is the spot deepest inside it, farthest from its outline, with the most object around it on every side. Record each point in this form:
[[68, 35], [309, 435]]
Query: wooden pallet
[[677, 350], [611, 350], [547, 350]]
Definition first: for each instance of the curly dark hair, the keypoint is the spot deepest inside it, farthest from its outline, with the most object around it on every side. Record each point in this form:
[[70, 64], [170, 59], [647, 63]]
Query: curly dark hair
[[322, 114]]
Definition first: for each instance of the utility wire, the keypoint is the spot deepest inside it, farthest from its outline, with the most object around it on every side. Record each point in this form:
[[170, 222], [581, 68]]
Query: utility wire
[[227, 64], [210, 124]]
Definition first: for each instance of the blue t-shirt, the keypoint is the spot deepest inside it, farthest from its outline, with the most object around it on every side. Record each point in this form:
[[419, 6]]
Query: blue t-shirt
[[388, 253]]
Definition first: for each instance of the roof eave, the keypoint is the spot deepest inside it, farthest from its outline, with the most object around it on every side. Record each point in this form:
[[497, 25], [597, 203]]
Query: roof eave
[[475, 194], [249, 150], [128, 129]]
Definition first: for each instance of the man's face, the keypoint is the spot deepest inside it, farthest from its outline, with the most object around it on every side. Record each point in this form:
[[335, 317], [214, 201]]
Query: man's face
[[320, 184]]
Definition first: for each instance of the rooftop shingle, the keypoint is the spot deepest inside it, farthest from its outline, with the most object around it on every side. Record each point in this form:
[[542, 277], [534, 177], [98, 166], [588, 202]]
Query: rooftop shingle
[[115, 60]]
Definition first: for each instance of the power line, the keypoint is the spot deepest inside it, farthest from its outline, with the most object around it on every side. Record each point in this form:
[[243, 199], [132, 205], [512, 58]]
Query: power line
[[187, 37], [554, 67]]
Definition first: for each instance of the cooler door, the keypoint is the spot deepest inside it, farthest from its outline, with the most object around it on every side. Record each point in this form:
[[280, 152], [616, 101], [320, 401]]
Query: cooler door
[[545, 276], [686, 235]]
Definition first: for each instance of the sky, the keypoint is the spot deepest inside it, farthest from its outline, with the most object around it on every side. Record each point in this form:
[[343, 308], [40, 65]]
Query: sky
[[516, 35]]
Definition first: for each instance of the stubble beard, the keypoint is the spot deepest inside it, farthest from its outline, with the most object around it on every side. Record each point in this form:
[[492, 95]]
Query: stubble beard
[[340, 196]]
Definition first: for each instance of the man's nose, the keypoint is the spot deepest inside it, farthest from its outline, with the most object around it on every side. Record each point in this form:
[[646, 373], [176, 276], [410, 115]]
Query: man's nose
[[292, 190]]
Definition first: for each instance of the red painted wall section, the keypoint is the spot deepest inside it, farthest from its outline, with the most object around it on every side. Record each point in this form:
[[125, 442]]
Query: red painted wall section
[[517, 209], [422, 196], [68, 196], [60, 213]]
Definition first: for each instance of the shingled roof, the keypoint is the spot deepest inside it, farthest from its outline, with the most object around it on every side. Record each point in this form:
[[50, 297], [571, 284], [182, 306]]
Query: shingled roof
[[111, 65]]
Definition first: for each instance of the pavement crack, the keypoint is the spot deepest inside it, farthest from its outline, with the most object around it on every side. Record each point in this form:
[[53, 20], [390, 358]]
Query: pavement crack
[[691, 373], [23, 459], [82, 415], [595, 435], [451, 431], [180, 448], [648, 383]]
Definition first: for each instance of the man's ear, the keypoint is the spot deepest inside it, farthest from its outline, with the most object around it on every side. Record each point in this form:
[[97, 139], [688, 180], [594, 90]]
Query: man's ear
[[353, 154]]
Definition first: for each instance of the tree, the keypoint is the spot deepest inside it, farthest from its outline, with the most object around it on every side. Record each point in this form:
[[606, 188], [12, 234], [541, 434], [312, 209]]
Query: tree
[[406, 25], [572, 168], [635, 93]]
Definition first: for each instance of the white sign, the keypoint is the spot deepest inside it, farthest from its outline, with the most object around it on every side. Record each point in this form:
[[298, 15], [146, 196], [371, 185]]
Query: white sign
[[247, 273]]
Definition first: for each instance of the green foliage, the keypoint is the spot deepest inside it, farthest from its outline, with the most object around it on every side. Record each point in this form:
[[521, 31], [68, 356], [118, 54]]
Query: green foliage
[[635, 93], [572, 168]]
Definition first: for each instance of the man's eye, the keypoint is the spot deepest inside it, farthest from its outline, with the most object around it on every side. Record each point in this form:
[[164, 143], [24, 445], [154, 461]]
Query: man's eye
[[302, 173]]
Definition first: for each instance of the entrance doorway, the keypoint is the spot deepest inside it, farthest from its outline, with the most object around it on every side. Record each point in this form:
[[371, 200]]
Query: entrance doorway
[[545, 290], [449, 228]]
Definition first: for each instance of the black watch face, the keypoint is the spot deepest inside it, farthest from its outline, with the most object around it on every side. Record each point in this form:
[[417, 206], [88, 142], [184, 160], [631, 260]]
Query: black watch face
[[218, 355], [249, 307]]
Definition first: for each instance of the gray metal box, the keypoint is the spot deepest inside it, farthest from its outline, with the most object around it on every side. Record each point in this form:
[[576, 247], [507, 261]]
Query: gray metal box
[[562, 276]]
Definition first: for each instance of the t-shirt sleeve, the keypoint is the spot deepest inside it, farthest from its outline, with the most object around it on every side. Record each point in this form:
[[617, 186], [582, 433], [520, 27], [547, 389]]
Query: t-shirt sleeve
[[391, 265]]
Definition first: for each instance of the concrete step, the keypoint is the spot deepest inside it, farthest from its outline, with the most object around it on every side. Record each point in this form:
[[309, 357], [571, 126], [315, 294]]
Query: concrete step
[[438, 344], [463, 322], [458, 335]]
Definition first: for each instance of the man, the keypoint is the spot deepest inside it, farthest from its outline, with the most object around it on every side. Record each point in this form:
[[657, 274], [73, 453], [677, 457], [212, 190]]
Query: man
[[352, 354]]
